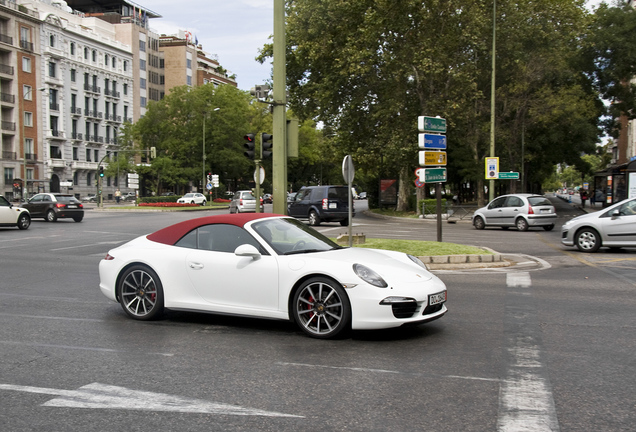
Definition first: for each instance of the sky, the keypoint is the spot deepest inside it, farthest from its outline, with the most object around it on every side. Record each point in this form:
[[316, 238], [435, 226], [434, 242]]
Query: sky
[[233, 30]]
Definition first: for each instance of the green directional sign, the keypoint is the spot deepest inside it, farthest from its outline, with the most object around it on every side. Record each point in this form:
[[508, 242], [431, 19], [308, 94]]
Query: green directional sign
[[509, 176], [432, 175], [431, 124]]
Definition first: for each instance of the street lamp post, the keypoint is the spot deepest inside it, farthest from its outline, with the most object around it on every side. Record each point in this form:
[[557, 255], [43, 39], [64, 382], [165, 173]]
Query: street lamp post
[[203, 161]]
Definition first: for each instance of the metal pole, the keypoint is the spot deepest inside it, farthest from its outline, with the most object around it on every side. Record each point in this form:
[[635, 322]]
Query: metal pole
[[279, 156], [203, 184], [491, 187]]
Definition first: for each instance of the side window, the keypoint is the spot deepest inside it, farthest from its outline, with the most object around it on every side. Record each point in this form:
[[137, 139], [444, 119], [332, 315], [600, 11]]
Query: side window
[[301, 194], [4, 202], [628, 209], [189, 240], [498, 203], [224, 238], [514, 202]]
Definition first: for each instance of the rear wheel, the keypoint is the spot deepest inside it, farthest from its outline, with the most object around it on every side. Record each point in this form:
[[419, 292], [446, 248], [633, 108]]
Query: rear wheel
[[479, 223], [521, 224], [588, 240], [344, 222], [51, 216], [321, 308], [314, 219], [548, 227], [140, 293], [24, 221], [78, 218], [203, 203]]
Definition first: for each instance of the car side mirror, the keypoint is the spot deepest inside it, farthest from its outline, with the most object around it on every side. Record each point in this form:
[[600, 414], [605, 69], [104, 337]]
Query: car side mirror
[[616, 213], [247, 250]]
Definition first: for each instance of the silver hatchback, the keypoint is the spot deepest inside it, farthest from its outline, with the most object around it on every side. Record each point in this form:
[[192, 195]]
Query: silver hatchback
[[243, 201], [614, 227], [522, 211]]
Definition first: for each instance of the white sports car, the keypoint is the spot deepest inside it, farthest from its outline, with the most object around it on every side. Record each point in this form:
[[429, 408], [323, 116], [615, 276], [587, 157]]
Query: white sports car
[[269, 266]]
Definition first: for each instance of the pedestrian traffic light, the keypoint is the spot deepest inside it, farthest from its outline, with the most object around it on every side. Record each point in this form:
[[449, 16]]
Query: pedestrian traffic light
[[101, 171], [249, 145], [266, 145]]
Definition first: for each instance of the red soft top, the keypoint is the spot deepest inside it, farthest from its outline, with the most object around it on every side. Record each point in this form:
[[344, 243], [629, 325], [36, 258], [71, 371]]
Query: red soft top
[[170, 235]]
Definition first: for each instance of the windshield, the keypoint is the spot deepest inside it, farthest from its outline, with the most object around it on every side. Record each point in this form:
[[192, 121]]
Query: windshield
[[290, 236], [188, 196]]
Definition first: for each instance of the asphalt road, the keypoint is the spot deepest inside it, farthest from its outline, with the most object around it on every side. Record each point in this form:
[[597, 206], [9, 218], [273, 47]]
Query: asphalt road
[[544, 346]]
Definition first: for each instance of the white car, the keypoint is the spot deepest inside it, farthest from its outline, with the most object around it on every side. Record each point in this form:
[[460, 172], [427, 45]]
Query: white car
[[192, 198], [269, 266], [244, 201], [522, 211], [11, 215], [613, 227]]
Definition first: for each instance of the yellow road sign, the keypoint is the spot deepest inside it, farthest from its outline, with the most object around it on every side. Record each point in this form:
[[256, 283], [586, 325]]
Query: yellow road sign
[[428, 158]]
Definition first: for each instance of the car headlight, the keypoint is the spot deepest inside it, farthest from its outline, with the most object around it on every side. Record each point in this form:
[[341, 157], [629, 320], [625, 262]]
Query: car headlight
[[369, 276], [417, 261]]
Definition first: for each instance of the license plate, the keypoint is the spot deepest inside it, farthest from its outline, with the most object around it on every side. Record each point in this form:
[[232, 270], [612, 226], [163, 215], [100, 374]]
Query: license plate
[[333, 205], [434, 299], [71, 206], [545, 211]]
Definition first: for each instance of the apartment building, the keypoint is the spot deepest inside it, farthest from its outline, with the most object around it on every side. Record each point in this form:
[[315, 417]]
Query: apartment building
[[22, 159]]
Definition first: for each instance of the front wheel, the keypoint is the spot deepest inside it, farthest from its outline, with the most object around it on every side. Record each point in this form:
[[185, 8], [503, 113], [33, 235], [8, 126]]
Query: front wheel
[[588, 240], [51, 216], [522, 224], [24, 221], [140, 293], [479, 223], [321, 308], [203, 203]]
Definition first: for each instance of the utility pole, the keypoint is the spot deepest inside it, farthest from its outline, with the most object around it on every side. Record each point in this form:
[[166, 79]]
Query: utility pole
[[279, 162]]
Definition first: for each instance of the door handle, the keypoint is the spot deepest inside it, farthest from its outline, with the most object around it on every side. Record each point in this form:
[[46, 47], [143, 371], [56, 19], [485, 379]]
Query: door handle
[[195, 266]]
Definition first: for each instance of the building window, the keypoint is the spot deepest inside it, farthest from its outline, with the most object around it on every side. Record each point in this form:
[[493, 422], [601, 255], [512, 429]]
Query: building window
[[52, 69], [125, 65], [143, 102], [125, 89], [28, 119], [94, 55], [142, 45], [75, 178], [73, 75], [75, 154], [96, 153], [25, 34], [8, 175], [189, 63], [72, 48], [52, 40], [114, 61], [53, 121], [27, 92], [28, 147], [88, 155], [106, 60], [85, 53], [89, 178], [142, 83], [26, 64], [189, 80], [142, 64]]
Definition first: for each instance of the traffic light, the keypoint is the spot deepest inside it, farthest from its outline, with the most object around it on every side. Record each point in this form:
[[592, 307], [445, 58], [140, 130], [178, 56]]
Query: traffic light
[[153, 152], [266, 145], [101, 171], [249, 145], [209, 177]]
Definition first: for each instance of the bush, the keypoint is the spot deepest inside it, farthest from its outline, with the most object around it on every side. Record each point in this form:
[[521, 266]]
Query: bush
[[430, 205], [158, 199], [167, 204]]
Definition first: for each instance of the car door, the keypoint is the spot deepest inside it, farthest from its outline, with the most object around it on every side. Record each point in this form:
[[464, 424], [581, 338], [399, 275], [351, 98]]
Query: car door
[[299, 207], [512, 208], [229, 281], [622, 227], [494, 212], [7, 214], [36, 205]]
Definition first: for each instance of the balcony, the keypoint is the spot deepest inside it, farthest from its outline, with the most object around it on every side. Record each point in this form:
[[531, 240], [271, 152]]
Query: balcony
[[93, 89], [6, 69], [31, 157], [7, 125], [26, 45], [76, 135], [57, 163], [55, 134], [7, 97], [111, 93], [76, 111], [54, 106], [88, 165], [9, 155], [6, 39]]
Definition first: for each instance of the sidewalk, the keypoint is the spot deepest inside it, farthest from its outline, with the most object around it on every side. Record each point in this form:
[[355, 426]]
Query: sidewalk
[[575, 201]]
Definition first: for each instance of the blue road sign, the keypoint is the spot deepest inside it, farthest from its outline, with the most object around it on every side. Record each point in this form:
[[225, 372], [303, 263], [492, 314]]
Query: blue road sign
[[432, 141]]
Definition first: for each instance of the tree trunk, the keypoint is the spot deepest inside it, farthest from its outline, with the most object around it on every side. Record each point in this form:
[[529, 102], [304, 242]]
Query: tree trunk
[[403, 190]]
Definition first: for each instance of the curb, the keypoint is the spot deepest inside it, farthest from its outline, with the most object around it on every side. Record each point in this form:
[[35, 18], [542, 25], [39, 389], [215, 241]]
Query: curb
[[447, 262]]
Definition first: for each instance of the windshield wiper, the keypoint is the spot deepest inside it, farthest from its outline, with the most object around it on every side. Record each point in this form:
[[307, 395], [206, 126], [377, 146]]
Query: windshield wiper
[[302, 251]]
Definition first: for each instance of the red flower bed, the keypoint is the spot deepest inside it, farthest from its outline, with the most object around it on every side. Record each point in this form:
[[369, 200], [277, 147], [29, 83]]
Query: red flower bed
[[221, 200], [167, 204]]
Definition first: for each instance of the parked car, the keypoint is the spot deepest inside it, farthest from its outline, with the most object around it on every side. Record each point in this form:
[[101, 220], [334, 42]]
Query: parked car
[[267, 199], [522, 211], [192, 198], [54, 206], [321, 204], [244, 201], [249, 265], [613, 227], [90, 198], [362, 195], [167, 194], [11, 215], [129, 196]]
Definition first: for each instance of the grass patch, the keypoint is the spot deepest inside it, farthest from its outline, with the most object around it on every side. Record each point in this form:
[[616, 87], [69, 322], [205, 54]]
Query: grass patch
[[423, 248], [391, 212], [142, 208]]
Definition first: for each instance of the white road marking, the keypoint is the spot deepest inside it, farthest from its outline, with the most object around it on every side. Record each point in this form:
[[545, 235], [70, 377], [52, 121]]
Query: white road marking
[[104, 396], [51, 317], [525, 396], [80, 348]]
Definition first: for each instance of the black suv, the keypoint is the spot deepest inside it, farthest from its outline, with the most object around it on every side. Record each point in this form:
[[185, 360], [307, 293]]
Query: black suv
[[321, 204]]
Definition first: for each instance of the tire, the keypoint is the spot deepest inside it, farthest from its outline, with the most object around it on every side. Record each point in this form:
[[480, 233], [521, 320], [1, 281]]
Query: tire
[[587, 240], [521, 224], [478, 223], [314, 219], [51, 216], [344, 222], [192, 202], [548, 227], [504, 228], [203, 203], [140, 293], [24, 221], [78, 218], [321, 308]]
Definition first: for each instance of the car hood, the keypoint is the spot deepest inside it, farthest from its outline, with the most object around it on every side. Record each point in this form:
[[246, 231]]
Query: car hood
[[588, 216]]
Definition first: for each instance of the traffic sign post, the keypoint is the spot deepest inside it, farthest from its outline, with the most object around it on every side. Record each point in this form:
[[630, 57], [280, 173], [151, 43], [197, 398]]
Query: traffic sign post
[[508, 175], [431, 124], [432, 175], [348, 173], [432, 141], [436, 158]]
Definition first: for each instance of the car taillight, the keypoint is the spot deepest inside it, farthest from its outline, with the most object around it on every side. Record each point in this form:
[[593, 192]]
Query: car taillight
[[325, 203], [241, 201], [80, 205], [109, 257], [60, 205], [530, 211]]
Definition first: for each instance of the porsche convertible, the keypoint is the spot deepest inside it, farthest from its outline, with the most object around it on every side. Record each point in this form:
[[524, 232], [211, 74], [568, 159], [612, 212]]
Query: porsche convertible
[[269, 266]]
